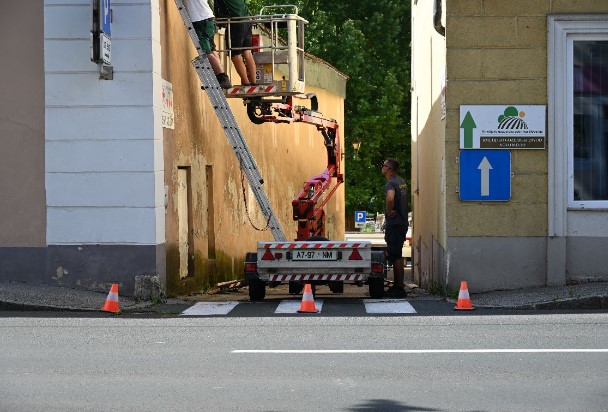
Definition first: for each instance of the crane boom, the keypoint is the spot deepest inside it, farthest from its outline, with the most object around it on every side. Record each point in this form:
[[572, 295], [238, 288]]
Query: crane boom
[[308, 204]]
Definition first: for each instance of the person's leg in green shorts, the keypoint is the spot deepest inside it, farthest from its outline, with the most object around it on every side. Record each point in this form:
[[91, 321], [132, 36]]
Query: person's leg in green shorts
[[205, 31]]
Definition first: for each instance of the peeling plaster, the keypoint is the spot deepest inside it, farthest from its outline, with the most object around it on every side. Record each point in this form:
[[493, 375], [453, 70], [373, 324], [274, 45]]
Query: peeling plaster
[[60, 273]]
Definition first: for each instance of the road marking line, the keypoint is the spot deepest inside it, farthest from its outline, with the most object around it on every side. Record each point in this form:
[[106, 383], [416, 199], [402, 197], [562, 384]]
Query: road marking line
[[292, 306], [388, 306], [209, 308], [417, 351]]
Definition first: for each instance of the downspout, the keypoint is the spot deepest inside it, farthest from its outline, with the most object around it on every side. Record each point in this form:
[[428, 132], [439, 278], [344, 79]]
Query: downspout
[[437, 18]]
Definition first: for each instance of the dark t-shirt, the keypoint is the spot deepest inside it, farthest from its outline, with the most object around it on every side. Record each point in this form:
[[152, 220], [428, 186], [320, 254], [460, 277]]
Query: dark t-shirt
[[230, 8], [400, 205]]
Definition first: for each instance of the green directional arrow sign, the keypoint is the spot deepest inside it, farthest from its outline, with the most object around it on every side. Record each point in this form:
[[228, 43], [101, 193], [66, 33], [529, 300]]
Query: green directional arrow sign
[[468, 124]]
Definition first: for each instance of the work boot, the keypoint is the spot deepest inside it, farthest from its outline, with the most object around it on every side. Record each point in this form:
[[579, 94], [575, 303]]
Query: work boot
[[223, 80]]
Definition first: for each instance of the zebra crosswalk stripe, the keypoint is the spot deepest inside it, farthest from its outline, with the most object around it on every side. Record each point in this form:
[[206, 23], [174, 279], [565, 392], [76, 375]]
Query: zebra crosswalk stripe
[[372, 306], [292, 306], [388, 306], [210, 308]]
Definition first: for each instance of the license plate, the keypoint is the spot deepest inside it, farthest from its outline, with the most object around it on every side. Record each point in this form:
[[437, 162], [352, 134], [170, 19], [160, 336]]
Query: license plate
[[315, 255]]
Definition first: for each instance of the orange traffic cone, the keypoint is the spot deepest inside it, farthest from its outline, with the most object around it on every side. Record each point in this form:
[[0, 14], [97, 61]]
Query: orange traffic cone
[[111, 304], [308, 302], [464, 301]]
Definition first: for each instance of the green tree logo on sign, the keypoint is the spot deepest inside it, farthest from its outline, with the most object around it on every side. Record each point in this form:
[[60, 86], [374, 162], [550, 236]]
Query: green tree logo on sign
[[512, 119]]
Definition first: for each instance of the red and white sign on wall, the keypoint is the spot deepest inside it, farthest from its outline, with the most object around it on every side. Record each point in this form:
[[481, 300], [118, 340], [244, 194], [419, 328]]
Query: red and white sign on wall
[[168, 118]]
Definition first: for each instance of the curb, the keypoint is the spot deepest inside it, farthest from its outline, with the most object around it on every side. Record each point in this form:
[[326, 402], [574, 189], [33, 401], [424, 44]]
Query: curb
[[589, 302], [6, 306], [585, 303], [28, 307]]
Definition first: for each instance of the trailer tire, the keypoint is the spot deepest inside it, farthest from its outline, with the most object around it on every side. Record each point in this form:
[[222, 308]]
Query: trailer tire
[[376, 288], [257, 290]]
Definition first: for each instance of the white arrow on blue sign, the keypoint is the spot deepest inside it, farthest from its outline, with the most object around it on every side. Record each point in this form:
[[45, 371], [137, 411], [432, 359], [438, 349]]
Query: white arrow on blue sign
[[485, 175]]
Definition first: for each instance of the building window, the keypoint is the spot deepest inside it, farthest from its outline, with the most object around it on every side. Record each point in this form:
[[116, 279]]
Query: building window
[[578, 116], [589, 141]]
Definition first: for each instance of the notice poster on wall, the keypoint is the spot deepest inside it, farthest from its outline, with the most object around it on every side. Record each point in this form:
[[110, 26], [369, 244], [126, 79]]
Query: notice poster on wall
[[168, 118]]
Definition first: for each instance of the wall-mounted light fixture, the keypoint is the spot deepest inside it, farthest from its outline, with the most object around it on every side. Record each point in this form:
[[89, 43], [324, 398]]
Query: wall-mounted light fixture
[[356, 146]]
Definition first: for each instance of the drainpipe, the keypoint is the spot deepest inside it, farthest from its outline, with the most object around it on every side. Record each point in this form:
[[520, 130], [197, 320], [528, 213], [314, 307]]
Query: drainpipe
[[437, 18]]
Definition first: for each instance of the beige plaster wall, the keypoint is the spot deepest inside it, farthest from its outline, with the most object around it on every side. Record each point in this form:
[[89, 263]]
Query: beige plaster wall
[[497, 54], [428, 148], [22, 198], [287, 155]]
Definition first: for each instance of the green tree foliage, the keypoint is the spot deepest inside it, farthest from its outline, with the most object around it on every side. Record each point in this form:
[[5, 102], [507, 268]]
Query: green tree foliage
[[369, 42]]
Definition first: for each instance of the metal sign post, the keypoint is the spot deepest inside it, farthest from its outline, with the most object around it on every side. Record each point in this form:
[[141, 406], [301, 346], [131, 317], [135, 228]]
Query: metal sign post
[[101, 38]]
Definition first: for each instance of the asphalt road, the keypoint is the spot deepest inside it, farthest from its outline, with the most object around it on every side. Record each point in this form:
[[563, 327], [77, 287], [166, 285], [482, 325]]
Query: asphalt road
[[518, 362]]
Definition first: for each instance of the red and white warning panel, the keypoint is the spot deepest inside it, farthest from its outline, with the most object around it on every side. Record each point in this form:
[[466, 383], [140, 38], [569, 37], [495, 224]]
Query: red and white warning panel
[[304, 278], [320, 260], [263, 90]]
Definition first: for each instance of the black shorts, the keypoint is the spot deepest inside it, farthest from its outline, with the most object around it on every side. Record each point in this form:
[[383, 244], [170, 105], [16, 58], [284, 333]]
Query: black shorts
[[394, 236], [240, 36]]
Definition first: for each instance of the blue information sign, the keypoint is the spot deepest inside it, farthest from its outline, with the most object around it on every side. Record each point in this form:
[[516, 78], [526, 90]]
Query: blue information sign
[[106, 17], [360, 218], [485, 175]]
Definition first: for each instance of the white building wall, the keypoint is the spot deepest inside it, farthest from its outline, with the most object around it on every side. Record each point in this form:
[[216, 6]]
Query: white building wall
[[104, 153]]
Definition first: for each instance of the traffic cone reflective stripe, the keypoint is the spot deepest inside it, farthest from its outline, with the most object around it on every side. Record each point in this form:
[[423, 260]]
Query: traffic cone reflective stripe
[[111, 304], [464, 301], [308, 301]]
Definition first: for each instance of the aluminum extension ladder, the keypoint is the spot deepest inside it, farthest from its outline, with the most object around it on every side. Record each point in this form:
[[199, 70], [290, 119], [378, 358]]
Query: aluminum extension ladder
[[231, 128]]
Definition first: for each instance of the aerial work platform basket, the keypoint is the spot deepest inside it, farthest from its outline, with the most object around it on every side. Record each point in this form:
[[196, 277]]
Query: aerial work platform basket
[[278, 50]]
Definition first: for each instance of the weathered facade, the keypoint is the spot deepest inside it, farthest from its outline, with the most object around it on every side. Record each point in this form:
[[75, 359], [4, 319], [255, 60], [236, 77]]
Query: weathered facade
[[99, 191], [545, 52]]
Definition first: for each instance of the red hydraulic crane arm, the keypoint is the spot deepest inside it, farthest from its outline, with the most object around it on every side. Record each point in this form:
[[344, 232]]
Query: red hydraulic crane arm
[[307, 210], [309, 215]]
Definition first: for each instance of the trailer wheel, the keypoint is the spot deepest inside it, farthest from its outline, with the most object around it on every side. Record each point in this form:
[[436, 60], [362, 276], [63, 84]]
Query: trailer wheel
[[376, 288], [257, 290]]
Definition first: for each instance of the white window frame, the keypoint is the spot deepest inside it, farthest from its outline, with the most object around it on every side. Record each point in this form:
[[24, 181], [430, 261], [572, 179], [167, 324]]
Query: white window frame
[[563, 31]]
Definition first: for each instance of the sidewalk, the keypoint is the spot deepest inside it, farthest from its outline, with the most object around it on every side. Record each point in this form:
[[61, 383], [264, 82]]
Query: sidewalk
[[15, 296]]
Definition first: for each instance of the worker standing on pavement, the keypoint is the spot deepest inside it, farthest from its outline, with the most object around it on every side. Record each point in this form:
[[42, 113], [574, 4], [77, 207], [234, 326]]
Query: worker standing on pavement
[[203, 22], [238, 37], [396, 224]]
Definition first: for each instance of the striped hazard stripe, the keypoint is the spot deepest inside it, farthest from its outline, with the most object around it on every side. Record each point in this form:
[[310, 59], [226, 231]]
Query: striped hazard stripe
[[287, 278], [243, 90], [316, 245], [268, 89]]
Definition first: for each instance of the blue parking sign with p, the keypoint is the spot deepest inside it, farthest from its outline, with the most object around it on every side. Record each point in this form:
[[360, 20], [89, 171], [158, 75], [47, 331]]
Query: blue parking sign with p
[[360, 218]]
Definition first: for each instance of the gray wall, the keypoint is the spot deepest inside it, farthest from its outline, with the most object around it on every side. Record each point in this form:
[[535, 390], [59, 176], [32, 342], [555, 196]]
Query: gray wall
[[22, 194], [494, 263]]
